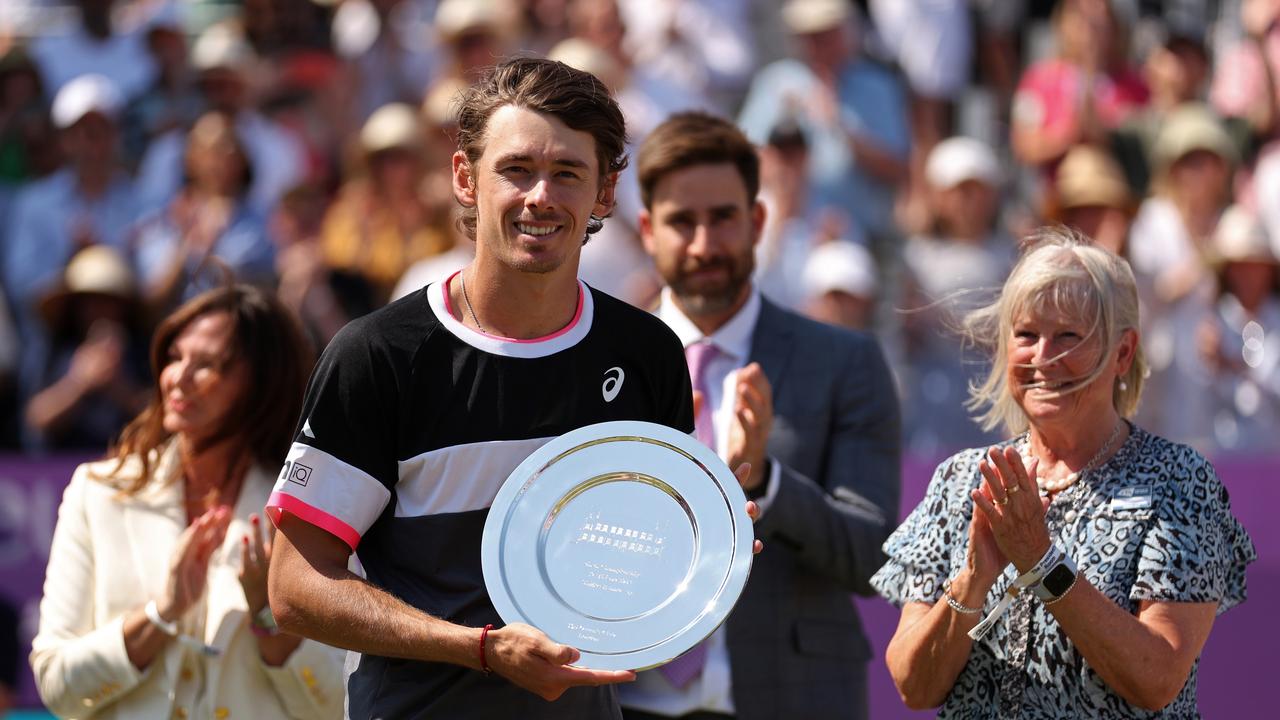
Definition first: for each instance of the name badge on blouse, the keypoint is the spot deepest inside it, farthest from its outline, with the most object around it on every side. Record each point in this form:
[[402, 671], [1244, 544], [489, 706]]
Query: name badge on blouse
[[1137, 497]]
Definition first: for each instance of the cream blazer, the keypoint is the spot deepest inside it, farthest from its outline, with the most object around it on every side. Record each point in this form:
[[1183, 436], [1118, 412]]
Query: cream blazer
[[109, 556]]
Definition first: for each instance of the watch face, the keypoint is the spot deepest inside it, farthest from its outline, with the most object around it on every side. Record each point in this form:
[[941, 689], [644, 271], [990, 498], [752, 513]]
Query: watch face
[[1058, 579]]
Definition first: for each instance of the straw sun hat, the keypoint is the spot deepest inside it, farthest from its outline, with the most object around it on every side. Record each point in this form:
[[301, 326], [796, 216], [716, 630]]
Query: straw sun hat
[[96, 271]]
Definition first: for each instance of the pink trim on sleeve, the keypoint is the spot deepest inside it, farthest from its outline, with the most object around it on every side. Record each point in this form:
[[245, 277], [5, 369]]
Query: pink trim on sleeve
[[281, 502]]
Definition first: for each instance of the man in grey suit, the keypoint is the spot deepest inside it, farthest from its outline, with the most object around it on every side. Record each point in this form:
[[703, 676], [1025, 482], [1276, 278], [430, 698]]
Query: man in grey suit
[[810, 406]]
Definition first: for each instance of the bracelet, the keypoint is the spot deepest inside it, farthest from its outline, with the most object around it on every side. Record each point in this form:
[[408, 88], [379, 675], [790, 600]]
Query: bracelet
[[171, 629], [153, 615], [263, 623], [955, 604], [1026, 581], [484, 662], [1074, 579]]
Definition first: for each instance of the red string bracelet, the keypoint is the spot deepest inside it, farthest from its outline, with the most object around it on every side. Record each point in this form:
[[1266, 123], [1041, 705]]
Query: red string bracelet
[[484, 663]]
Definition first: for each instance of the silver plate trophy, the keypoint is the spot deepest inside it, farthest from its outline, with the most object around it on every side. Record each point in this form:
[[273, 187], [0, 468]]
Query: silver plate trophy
[[627, 540]]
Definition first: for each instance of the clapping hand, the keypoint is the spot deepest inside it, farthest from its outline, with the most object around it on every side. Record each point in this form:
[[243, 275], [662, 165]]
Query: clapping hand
[[98, 360], [255, 558], [742, 471], [752, 423], [189, 564], [1009, 500]]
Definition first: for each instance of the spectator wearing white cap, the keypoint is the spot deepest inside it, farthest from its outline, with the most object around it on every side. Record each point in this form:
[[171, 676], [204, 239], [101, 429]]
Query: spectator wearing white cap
[[95, 44], [211, 224], [1193, 160], [1239, 341], [87, 202], [840, 279], [225, 65], [795, 223], [853, 111], [381, 223], [949, 271]]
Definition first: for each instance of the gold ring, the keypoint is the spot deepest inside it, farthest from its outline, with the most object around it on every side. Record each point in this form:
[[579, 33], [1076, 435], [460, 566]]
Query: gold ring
[[1011, 489], [1003, 502]]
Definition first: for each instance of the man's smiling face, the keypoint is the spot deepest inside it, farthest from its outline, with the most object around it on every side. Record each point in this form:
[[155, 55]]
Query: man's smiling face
[[534, 188]]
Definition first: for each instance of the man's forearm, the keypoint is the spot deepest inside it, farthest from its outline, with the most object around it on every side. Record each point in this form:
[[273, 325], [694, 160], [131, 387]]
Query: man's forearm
[[334, 606]]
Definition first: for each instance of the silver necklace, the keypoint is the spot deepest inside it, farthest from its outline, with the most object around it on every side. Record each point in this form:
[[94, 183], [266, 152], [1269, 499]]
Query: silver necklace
[[1053, 486], [462, 277]]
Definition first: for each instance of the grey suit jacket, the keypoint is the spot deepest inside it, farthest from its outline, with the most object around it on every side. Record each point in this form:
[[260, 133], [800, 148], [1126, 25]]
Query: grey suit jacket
[[796, 645]]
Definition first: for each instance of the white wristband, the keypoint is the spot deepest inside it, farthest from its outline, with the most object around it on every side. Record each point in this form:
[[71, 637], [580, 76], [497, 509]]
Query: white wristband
[[1029, 579], [153, 614], [171, 629]]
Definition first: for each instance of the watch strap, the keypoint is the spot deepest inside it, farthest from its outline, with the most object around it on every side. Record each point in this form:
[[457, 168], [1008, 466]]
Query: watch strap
[[1047, 595]]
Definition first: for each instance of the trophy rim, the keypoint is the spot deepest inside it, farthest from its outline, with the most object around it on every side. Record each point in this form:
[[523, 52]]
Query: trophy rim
[[724, 509]]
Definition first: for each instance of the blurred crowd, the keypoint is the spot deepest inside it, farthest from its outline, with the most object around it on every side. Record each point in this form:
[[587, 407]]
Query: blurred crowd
[[150, 149]]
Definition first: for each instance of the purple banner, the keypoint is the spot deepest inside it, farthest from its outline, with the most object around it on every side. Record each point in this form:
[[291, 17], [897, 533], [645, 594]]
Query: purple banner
[[30, 491], [1232, 669]]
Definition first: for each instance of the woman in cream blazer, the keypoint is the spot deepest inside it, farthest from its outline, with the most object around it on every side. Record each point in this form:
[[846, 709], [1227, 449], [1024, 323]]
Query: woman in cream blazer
[[146, 610]]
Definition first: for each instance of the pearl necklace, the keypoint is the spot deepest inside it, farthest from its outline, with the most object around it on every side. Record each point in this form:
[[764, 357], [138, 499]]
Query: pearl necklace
[[1048, 487]]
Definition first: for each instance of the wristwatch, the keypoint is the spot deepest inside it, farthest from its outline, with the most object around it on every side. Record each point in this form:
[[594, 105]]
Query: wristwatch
[[1057, 580]]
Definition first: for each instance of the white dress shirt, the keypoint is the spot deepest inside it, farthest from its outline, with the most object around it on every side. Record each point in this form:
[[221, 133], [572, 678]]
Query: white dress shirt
[[712, 690]]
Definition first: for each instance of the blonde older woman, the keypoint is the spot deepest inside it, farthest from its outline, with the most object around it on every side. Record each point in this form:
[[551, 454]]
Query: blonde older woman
[[1075, 570]]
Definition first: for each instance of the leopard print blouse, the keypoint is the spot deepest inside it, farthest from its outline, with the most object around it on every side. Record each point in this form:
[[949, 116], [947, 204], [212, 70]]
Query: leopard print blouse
[[1152, 523]]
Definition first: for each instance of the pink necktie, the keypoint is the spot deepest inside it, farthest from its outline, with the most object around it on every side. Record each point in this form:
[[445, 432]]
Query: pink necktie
[[681, 671], [700, 355]]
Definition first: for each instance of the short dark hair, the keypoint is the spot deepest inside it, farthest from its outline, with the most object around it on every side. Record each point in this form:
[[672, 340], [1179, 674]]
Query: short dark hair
[[576, 98], [268, 339], [695, 138]]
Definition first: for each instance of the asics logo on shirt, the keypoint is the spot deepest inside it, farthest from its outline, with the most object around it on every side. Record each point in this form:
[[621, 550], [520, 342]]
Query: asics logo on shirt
[[613, 378]]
